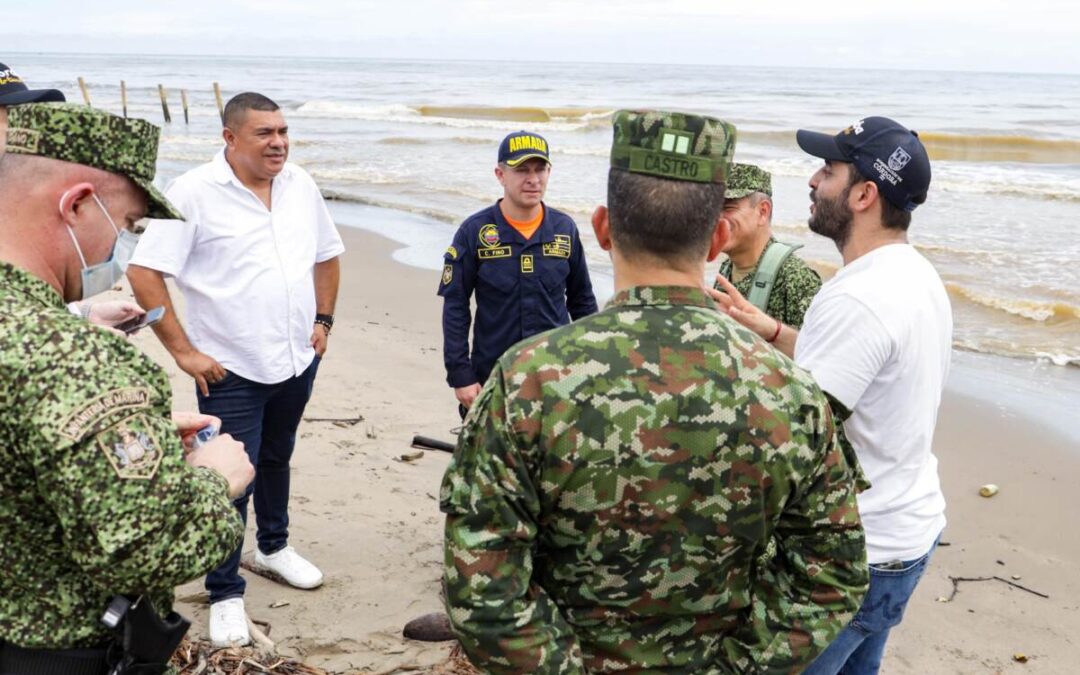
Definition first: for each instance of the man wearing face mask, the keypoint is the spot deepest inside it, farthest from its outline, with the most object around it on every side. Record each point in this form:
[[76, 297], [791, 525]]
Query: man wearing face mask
[[101, 494], [13, 91]]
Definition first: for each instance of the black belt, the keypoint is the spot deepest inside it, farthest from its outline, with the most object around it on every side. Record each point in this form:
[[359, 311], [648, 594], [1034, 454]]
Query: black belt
[[22, 661]]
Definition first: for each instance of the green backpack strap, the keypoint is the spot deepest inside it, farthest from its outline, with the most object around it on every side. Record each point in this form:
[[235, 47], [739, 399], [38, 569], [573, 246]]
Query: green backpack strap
[[767, 269]]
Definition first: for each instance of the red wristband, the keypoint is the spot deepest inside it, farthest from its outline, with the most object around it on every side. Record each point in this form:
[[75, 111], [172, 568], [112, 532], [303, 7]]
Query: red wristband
[[779, 327]]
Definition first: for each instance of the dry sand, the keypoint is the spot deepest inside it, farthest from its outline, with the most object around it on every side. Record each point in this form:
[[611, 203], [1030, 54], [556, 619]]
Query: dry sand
[[372, 522]]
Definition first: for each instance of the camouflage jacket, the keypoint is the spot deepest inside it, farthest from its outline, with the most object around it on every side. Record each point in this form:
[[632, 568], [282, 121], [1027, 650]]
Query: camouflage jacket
[[650, 488], [95, 496], [796, 285]]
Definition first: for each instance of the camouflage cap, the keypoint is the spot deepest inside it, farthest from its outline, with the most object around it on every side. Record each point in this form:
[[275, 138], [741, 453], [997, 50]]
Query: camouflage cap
[[83, 135], [678, 146], [746, 179]]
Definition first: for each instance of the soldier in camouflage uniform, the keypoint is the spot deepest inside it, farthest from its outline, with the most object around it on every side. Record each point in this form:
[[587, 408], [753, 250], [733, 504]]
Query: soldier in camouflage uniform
[[748, 208], [98, 496], [652, 488]]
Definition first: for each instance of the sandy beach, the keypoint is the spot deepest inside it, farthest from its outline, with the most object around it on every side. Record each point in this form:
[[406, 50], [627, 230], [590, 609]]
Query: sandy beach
[[371, 520]]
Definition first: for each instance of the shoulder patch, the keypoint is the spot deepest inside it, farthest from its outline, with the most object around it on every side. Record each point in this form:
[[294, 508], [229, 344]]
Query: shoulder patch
[[447, 274], [133, 454], [489, 235], [88, 416], [451, 253]]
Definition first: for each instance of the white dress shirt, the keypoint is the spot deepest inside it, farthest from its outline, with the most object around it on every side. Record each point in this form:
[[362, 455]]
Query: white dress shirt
[[246, 272]]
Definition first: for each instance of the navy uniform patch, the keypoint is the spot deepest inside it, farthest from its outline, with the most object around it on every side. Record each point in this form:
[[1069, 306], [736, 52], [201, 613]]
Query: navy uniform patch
[[497, 252], [134, 454], [451, 253], [560, 248], [447, 274], [489, 235], [526, 264]]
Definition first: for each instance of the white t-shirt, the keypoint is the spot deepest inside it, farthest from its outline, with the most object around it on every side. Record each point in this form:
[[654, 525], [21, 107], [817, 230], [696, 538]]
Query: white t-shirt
[[878, 337], [245, 272]]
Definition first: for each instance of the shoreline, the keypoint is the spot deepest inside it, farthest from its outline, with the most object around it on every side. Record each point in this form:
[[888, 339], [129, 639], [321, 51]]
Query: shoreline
[[371, 521]]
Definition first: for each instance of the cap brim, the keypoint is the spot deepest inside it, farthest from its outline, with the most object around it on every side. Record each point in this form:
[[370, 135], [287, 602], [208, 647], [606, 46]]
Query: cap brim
[[33, 96], [738, 194], [157, 206], [524, 158], [820, 145]]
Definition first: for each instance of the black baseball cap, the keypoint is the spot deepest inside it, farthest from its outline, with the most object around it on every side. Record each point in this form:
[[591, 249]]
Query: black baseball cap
[[14, 91], [522, 145], [885, 151]]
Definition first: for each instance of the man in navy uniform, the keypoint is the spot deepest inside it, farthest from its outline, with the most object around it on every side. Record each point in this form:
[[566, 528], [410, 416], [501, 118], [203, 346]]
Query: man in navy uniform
[[523, 261]]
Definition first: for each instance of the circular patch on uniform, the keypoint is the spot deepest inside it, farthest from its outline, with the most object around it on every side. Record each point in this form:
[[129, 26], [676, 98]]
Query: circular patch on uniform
[[489, 235]]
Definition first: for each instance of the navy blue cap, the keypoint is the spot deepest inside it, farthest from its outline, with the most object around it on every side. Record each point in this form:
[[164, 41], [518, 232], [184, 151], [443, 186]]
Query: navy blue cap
[[522, 145], [13, 91], [884, 151]]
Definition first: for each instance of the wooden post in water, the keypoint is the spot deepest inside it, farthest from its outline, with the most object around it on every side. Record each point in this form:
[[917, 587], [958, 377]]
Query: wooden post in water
[[164, 104], [85, 91], [183, 103], [123, 97], [220, 107]]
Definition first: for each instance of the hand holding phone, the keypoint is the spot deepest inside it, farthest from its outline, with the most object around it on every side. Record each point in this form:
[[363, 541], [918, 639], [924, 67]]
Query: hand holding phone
[[132, 326]]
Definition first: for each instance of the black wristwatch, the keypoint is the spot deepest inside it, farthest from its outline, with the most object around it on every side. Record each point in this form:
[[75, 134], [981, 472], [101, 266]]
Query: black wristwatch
[[326, 320]]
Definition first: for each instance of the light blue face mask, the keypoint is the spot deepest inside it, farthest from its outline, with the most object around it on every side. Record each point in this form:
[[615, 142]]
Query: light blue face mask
[[104, 275]]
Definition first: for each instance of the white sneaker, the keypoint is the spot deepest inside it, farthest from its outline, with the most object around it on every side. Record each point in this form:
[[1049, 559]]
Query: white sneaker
[[290, 567], [228, 623]]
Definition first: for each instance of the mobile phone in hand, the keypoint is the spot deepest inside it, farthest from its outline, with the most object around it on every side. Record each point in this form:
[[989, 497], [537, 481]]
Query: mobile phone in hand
[[138, 323]]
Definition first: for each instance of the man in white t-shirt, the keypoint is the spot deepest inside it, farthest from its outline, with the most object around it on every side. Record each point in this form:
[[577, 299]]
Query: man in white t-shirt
[[257, 262], [877, 338]]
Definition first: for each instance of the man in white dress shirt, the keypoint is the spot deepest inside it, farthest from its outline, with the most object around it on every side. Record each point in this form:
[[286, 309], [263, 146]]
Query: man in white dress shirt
[[878, 340], [257, 262]]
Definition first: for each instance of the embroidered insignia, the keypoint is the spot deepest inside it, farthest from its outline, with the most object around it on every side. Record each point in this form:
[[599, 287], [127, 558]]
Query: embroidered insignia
[[489, 253], [86, 418], [447, 274], [489, 235], [133, 454], [451, 253], [526, 264], [560, 248]]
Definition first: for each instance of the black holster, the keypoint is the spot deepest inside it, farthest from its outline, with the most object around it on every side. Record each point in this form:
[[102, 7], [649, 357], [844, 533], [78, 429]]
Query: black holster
[[143, 641]]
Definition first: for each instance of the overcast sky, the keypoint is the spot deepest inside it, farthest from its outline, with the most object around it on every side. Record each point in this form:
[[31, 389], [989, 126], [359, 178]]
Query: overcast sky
[[991, 35]]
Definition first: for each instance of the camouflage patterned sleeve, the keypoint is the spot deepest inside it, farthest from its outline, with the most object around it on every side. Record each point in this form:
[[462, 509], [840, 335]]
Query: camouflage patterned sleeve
[[795, 289], [505, 621], [814, 581], [109, 463]]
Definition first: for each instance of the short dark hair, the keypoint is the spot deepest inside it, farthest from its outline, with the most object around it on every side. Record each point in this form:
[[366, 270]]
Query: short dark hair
[[892, 216], [239, 105], [668, 219]]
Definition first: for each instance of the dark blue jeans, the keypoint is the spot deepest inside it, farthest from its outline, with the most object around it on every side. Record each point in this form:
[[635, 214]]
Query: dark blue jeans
[[264, 417], [859, 648]]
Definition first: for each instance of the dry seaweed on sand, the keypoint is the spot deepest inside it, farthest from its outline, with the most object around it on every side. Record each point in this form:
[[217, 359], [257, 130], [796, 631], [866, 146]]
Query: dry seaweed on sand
[[200, 658]]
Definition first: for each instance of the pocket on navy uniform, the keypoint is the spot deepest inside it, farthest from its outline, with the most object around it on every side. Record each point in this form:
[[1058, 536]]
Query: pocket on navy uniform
[[554, 276], [501, 274]]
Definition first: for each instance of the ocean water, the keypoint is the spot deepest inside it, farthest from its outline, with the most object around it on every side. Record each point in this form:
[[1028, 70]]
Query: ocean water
[[1002, 223]]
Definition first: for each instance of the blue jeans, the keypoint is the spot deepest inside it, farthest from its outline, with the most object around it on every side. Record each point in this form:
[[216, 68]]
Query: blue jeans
[[264, 417], [859, 648]]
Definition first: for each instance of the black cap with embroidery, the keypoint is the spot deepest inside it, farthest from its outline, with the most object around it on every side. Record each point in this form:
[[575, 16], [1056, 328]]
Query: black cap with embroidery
[[14, 91], [884, 151]]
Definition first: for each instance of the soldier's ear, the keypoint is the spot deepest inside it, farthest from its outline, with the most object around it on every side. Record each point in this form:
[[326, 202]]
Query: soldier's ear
[[721, 234], [602, 227], [765, 211], [73, 201]]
